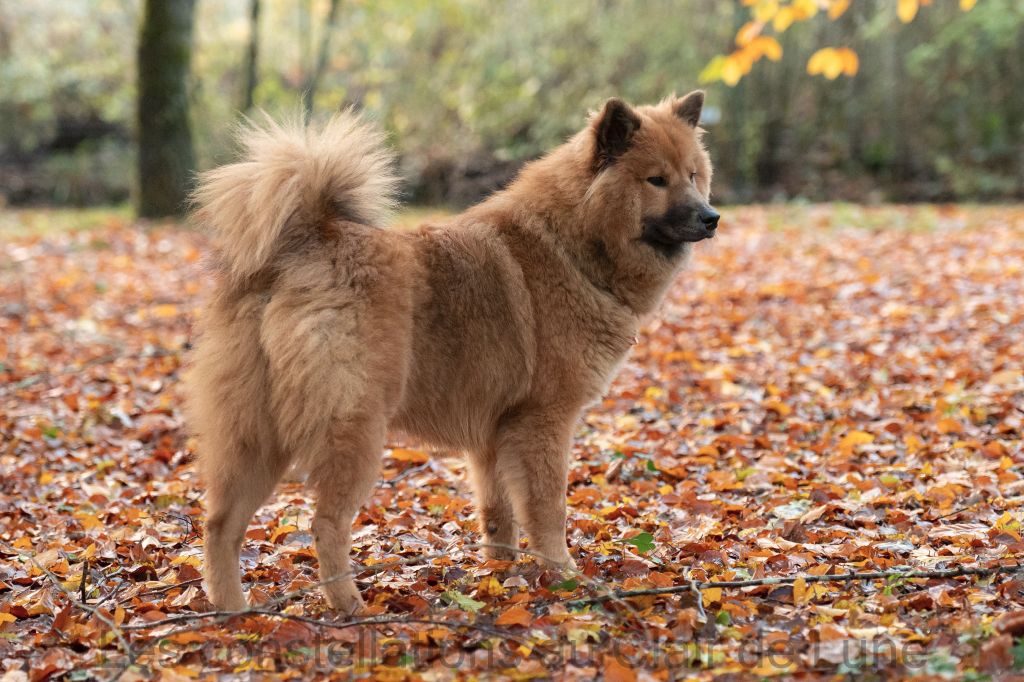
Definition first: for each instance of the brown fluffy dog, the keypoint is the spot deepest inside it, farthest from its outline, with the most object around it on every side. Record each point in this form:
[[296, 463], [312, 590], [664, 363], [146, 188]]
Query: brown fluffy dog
[[488, 333]]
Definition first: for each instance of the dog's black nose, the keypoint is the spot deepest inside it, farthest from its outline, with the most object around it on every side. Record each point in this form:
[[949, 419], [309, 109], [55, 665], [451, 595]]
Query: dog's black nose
[[709, 217]]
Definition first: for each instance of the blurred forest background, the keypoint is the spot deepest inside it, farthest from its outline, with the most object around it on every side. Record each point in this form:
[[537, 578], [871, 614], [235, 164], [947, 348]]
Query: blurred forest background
[[469, 89]]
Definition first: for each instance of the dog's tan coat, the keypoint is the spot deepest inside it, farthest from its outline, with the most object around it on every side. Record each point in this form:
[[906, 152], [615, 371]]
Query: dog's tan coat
[[487, 333]]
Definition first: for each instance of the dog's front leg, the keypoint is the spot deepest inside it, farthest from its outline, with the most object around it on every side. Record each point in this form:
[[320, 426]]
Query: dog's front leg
[[532, 460]]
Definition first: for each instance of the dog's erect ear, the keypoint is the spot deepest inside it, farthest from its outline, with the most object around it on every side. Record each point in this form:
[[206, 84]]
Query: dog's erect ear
[[688, 108], [614, 128]]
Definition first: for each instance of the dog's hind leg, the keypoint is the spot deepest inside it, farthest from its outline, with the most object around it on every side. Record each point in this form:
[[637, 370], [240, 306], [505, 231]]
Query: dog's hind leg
[[497, 521], [234, 493], [342, 479]]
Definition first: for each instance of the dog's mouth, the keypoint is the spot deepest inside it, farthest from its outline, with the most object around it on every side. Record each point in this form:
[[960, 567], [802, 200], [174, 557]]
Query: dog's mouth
[[669, 240], [682, 224]]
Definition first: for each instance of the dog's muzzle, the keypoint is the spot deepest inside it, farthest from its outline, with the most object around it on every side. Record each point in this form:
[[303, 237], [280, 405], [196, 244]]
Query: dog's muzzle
[[681, 224]]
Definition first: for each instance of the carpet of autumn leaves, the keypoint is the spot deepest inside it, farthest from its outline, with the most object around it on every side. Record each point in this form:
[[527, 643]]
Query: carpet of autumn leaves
[[827, 389]]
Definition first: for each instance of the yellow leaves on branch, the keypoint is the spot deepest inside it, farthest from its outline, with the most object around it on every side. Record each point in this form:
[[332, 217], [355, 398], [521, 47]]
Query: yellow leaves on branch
[[830, 62], [731, 68]]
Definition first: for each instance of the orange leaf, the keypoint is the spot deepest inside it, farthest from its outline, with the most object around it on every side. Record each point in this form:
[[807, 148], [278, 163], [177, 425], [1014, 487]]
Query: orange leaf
[[403, 455], [849, 60], [800, 593], [517, 615], [766, 46], [837, 8], [748, 32], [616, 671]]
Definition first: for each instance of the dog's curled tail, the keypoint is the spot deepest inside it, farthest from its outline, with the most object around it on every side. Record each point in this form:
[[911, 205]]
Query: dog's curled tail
[[291, 179]]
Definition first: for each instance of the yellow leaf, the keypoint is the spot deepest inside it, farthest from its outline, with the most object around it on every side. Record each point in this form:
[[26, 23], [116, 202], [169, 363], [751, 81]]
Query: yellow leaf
[[748, 32], [7, 618], [489, 587], [854, 438], [816, 64], [967, 5], [766, 46], [837, 8], [1007, 522], [282, 530], [45, 477], [770, 666], [712, 595], [804, 9], [783, 19], [88, 521], [949, 425], [800, 591], [913, 443], [850, 61], [777, 406], [164, 310], [906, 10], [712, 72], [765, 10], [732, 70], [654, 392]]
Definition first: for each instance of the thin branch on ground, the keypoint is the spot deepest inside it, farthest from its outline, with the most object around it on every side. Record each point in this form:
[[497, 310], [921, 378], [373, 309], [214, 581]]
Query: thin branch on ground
[[789, 580]]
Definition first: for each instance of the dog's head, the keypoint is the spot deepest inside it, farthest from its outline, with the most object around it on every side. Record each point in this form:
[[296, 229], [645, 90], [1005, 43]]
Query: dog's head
[[650, 165]]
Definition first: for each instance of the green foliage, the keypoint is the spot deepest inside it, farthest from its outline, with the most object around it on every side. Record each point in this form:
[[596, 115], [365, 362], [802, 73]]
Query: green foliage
[[933, 113], [644, 542], [464, 602]]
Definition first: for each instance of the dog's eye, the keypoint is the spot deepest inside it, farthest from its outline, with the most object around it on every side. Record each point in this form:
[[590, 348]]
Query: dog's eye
[[657, 180], [693, 176]]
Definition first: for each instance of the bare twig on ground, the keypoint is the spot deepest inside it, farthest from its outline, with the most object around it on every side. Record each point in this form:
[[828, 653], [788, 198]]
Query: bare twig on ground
[[788, 580]]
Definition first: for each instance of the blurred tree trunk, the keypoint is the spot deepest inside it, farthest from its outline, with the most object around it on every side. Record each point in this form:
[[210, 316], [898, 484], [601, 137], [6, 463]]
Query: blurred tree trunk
[[166, 158], [252, 56], [313, 81]]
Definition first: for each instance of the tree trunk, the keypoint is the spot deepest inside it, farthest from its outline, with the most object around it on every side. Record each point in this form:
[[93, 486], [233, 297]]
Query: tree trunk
[[166, 158], [309, 92], [252, 56]]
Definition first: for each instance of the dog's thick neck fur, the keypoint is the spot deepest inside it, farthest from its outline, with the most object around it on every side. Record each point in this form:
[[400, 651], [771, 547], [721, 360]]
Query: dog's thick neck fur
[[539, 198]]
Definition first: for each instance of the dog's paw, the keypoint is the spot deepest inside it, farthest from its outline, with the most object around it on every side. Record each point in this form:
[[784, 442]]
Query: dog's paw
[[344, 598], [500, 553], [561, 562], [228, 599]]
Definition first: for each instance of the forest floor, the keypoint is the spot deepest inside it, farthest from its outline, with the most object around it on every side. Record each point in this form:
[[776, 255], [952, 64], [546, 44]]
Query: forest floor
[[827, 390]]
